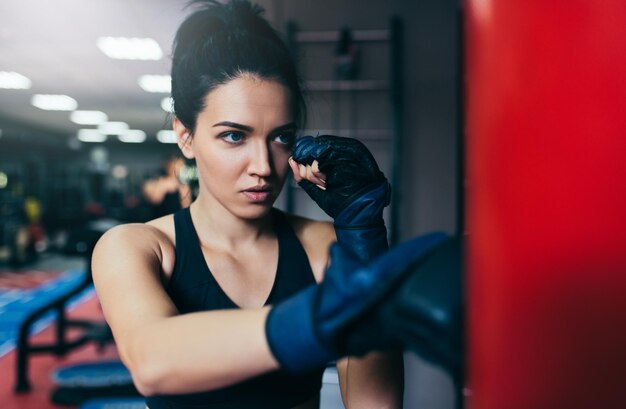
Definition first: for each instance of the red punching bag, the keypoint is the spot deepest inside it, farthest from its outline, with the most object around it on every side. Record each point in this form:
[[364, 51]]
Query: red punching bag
[[546, 203]]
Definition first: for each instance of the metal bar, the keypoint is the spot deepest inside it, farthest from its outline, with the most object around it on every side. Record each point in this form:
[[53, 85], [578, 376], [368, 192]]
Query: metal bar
[[397, 104], [362, 134], [291, 32], [331, 36], [61, 345], [343, 85], [23, 348], [459, 377], [460, 123], [34, 349]]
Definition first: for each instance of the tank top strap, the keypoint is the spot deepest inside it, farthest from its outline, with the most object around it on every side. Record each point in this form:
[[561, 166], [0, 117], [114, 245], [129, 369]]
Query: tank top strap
[[188, 250], [294, 271]]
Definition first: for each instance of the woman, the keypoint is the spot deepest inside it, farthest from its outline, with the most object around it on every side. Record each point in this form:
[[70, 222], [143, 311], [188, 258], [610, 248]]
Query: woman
[[188, 295]]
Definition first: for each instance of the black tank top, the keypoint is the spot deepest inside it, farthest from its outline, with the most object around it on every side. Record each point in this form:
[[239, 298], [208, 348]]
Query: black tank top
[[193, 288]]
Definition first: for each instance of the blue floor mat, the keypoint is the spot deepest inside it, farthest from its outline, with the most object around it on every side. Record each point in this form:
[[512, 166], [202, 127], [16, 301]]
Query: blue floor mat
[[17, 304]]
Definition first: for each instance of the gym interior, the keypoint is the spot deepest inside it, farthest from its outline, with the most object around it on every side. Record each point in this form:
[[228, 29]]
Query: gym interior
[[499, 122]]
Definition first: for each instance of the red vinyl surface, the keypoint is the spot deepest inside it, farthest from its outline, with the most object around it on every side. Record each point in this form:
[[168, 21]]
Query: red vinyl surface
[[546, 145]]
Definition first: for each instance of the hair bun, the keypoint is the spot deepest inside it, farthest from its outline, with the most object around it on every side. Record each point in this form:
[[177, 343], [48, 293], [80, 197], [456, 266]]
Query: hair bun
[[234, 16]]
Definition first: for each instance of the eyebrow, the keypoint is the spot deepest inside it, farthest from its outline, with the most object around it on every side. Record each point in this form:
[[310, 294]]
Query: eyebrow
[[289, 126]]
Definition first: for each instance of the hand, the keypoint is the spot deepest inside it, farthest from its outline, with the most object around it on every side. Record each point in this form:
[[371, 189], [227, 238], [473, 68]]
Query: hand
[[310, 173], [342, 177], [335, 171]]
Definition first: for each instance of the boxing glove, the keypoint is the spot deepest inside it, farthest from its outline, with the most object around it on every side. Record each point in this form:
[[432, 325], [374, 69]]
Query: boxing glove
[[314, 326], [425, 312], [356, 191]]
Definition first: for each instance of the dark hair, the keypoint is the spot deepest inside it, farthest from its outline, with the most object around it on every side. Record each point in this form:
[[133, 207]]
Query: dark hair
[[220, 42]]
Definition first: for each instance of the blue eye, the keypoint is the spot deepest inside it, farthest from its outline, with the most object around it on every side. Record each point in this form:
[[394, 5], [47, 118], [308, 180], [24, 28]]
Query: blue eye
[[284, 139], [232, 137]]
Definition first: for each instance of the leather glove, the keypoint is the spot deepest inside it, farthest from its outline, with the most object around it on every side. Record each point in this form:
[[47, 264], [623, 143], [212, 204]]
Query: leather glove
[[356, 191], [424, 313], [432, 293], [314, 326]]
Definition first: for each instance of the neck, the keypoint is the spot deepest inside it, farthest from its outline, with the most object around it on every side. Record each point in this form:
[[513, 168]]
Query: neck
[[217, 227]]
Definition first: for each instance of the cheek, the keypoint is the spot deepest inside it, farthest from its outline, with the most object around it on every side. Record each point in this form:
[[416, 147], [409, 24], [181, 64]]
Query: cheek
[[219, 168]]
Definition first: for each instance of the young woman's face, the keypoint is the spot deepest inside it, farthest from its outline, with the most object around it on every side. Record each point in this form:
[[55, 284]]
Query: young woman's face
[[242, 143]]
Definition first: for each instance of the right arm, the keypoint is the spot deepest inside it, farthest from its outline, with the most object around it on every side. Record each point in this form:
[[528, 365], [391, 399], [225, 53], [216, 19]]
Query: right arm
[[168, 353]]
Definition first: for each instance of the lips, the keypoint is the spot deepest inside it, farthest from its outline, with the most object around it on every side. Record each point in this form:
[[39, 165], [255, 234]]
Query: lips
[[258, 194]]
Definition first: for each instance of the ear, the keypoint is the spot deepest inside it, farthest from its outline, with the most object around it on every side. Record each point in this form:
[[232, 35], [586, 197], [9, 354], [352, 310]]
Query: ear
[[183, 138]]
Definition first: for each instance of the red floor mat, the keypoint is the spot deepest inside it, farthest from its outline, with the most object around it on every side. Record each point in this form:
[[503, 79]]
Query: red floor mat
[[25, 279]]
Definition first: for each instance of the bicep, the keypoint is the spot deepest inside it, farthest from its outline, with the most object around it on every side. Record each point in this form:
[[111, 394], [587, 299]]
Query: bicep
[[127, 276]]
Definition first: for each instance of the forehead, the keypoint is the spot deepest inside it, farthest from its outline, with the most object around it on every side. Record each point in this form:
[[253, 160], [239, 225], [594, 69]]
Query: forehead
[[248, 99]]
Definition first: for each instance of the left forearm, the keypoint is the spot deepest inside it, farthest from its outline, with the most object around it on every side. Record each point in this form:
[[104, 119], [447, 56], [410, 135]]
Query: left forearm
[[374, 381]]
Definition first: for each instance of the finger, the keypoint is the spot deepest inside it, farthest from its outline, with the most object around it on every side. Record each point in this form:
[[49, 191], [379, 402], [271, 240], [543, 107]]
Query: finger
[[295, 168], [313, 178], [321, 176], [302, 171]]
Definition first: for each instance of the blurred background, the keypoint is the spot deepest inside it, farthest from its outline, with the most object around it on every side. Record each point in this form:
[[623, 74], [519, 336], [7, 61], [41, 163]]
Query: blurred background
[[84, 124]]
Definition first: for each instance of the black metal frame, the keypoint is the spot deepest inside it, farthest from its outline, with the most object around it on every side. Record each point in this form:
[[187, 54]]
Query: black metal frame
[[92, 331]]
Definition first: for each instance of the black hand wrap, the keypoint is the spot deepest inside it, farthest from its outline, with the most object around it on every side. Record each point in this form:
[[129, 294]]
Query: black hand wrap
[[356, 191]]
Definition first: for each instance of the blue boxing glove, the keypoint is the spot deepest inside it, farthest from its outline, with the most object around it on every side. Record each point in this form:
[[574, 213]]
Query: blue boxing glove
[[424, 313], [356, 191], [314, 326]]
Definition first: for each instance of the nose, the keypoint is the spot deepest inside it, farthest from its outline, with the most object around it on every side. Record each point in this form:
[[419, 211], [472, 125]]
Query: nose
[[260, 160]]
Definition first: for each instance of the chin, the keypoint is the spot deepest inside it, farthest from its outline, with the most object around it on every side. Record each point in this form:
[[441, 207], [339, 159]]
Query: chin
[[256, 211]]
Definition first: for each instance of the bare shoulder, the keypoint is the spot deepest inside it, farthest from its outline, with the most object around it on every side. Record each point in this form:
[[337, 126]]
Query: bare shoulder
[[153, 241], [130, 266], [316, 237], [134, 234]]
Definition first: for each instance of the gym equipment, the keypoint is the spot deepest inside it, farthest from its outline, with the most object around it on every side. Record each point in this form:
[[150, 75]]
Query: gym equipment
[[547, 203], [83, 382], [74, 396], [104, 373], [98, 332]]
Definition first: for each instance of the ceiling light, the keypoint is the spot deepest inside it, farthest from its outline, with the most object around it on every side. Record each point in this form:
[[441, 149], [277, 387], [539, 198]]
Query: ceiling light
[[156, 83], [13, 80], [54, 102], [121, 48], [91, 135], [132, 136], [113, 128], [167, 104], [88, 117], [166, 136]]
